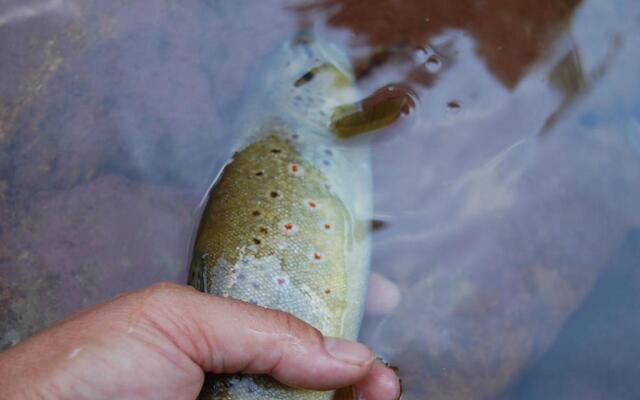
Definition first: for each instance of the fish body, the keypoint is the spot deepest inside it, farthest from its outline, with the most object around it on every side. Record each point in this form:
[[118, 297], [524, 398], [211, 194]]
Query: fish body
[[286, 226]]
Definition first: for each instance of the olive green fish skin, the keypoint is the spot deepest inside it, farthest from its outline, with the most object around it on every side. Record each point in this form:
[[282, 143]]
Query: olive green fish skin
[[273, 234], [286, 224]]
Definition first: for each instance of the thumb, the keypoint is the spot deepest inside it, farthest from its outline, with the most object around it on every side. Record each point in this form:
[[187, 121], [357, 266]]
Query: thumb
[[229, 336]]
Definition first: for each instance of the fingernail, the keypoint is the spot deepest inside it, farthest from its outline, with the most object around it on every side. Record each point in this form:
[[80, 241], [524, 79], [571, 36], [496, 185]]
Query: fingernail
[[348, 351]]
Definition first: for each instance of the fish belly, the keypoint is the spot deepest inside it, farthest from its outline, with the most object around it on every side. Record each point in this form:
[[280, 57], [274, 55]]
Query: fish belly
[[286, 228]]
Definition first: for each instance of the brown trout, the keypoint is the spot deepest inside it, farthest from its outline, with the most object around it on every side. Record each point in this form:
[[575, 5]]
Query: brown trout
[[286, 225]]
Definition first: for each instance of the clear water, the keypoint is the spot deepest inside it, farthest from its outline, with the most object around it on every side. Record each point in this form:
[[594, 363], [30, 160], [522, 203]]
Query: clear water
[[510, 195]]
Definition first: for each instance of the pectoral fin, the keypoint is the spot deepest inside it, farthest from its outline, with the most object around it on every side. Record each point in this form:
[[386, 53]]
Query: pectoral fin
[[377, 111]]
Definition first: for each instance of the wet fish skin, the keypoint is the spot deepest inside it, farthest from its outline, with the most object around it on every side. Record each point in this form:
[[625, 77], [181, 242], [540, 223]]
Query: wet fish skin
[[286, 225], [274, 237]]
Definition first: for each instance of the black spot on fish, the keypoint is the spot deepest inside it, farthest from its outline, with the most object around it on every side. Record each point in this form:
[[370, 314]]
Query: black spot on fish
[[306, 78]]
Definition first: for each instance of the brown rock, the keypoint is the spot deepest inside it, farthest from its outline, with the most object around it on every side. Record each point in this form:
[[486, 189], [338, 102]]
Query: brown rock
[[82, 246]]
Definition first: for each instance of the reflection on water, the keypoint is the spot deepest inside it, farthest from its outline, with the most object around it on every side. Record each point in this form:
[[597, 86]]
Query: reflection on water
[[514, 250], [509, 37]]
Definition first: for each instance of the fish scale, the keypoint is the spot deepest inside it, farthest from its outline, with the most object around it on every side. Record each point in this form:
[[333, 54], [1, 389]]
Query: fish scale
[[286, 224], [278, 251], [273, 234]]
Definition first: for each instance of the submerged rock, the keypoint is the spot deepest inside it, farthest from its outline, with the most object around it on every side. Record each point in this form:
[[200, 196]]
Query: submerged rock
[[76, 248]]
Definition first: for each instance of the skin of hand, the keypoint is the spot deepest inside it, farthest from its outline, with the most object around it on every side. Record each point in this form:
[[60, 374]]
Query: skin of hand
[[157, 343]]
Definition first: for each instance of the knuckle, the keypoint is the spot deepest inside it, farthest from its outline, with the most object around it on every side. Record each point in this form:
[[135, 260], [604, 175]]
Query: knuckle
[[157, 297], [163, 290], [159, 311]]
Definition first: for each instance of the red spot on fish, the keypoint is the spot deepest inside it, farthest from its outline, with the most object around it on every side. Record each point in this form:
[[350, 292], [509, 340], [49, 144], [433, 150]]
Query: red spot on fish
[[288, 228], [317, 256], [295, 169], [312, 204], [327, 226], [281, 281], [327, 291]]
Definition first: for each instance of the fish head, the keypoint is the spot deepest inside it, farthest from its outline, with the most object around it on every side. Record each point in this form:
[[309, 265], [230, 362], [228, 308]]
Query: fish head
[[309, 78]]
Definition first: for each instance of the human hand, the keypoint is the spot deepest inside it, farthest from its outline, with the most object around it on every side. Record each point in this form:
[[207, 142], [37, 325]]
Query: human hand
[[158, 343]]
